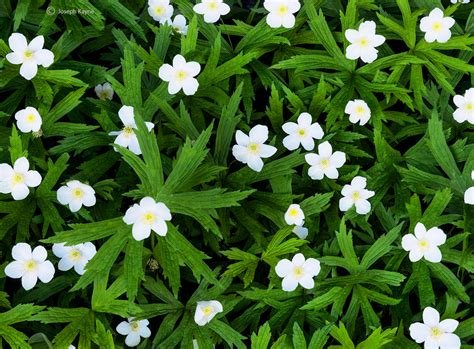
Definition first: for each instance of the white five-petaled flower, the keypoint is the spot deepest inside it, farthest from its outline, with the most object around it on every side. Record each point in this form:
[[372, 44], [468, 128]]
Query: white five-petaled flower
[[251, 149], [180, 75], [300, 231], [212, 10], [434, 333], [294, 215], [436, 27], [160, 10], [303, 132], [75, 256], [424, 244], [179, 24], [206, 310], [465, 107], [461, 1], [127, 137], [134, 330], [146, 216], [104, 91], [281, 12], [297, 271], [363, 42], [75, 194], [358, 111], [28, 120], [325, 163], [356, 194], [469, 193], [30, 265], [28, 55], [18, 179]]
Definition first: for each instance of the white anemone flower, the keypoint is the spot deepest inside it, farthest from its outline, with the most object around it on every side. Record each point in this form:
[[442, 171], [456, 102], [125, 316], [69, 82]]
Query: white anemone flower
[[363, 42], [18, 179], [469, 193], [424, 244], [434, 333], [436, 27], [212, 10], [281, 12], [294, 215], [127, 137], [76, 256], [179, 24], [251, 149], [160, 10], [303, 132], [180, 75], [28, 55], [297, 271], [104, 91], [356, 194], [325, 163], [146, 216], [134, 330], [465, 107], [76, 194], [30, 265], [206, 310], [28, 120], [300, 231], [358, 111]]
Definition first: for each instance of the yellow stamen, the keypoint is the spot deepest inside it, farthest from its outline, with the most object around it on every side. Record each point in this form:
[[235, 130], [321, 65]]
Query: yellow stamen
[[302, 132], [252, 147], [436, 332], [30, 118], [159, 10], [298, 272], [470, 106], [181, 75], [134, 326], [30, 265], [28, 54], [324, 163], [77, 193], [212, 5], [437, 26], [149, 218], [75, 255], [283, 10], [207, 310], [360, 109], [356, 196], [18, 178]]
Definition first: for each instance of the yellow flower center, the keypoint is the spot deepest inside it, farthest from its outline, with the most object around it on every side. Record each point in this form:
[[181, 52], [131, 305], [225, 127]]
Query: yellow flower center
[[128, 130], [30, 118], [181, 75], [18, 178], [356, 196], [207, 310], [212, 5], [437, 26], [28, 54], [298, 272], [134, 326], [77, 193], [30, 265], [423, 244], [360, 109], [470, 106], [302, 132], [253, 148], [436, 332], [75, 255], [293, 212], [363, 42], [324, 163], [160, 10], [283, 10], [149, 218]]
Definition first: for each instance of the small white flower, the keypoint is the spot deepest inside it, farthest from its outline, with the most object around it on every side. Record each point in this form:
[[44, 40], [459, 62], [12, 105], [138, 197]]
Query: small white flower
[[469, 193], [18, 179], [424, 244], [302, 133], [30, 265], [206, 310], [147, 216], [160, 10], [461, 1], [28, 120], [75, 194], [358, 111], [134, 329], [294, 215], [75, 256], [325, 163], [436, 26], [433, 333], [212, 10], [297, 271], [465, 107], [104, 91], [356, 194], [281, 12], [180, 75], [127, 137], [250, 149], [363, 42], [179, 24], [28, 55], [300, 231]]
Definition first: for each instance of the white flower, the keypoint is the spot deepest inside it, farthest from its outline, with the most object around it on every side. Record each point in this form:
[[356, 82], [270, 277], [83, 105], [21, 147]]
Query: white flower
[[160, 10], [297, 271], [302, 133], [134, 329], [433, 333], [30, 265], [424, 244], [28, 55], [206, 310], [300, 231], [28, 120], [469, 193], [356, 194], [465, 104], [359, 111], [212, 10], [104, 91], [147, 216], [179, 24], [363, 42], [75, 256], [127, 137], [294, 215], [281, 12], [75, 194], [325, 163], [250, 149], [436, 26], [462, 2], [180, 76], [16, 180]]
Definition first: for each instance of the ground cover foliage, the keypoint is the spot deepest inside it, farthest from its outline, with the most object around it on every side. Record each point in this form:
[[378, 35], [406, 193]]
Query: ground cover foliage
[[228, 228]]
